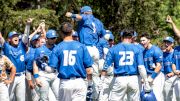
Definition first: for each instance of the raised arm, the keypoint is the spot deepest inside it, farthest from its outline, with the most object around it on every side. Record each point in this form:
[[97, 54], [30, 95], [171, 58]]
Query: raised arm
[[2, 41], [175, 29], [76, 16], [27, 30]]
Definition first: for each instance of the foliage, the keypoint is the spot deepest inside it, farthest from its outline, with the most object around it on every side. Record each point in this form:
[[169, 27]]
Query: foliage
[[141, 15]]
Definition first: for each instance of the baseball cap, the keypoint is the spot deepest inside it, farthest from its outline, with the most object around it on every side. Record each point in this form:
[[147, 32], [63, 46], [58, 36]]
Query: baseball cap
[[170, 39], [111, 37], [51, 34], [35, 37], [135, 34], [86, 9], [75, 34], [12, 33]]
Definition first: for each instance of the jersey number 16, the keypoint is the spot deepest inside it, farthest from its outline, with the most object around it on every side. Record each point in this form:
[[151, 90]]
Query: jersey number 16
[[69, 57]]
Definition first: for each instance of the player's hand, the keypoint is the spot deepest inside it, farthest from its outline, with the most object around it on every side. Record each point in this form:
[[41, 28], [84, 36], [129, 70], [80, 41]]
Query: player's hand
[[150, 80], [170, 75], [29, 20], [169, 19], [38, 82], [68, 14], [147, 87], [31, 85], [7, 82]]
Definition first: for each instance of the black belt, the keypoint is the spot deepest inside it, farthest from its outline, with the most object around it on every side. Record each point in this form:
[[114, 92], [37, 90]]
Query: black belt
[[117, 75], [72, 78]]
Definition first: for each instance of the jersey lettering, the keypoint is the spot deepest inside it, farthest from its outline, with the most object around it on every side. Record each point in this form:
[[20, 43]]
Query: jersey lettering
[[69, 58], [94, 27], [126, 58]]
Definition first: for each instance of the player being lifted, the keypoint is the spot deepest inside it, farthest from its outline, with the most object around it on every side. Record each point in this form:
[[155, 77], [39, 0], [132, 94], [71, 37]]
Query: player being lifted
[[89, 30], [127, 60]]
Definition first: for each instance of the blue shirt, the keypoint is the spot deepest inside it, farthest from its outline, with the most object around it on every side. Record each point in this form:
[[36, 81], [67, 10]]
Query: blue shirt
[[103, 43], [151, 57], [29, 59], [167, 62], [16, 55], [176, 59], [42, 50], [126, 59], [71, 58], [89, 29]]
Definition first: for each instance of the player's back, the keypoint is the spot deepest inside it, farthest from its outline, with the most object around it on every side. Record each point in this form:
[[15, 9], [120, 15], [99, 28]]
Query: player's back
[[73, 57], [125, 56], [177, 57]]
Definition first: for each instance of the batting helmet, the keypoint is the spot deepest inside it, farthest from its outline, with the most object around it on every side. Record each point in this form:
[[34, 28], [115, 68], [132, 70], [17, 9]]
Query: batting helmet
[[147, 96]]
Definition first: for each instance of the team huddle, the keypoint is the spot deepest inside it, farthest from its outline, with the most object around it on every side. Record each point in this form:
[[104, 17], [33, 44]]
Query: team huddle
[[87, 65]]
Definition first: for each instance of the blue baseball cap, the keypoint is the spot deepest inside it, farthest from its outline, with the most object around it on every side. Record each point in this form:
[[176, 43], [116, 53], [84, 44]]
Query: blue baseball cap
[[170, 39], [111, 37], [12, 33], [51, 34], [86, 9], [135, 34], [35, 37], [75, 34]]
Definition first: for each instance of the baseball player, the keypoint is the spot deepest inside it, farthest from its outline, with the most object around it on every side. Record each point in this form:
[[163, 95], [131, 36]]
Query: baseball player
[[5, 64], [103, 46], [153, 57], [72, 60], [169, 75], [89, 30], [127, 61], [35, 43], [176, 69], [15, 50], [75, 36], [43, 78]]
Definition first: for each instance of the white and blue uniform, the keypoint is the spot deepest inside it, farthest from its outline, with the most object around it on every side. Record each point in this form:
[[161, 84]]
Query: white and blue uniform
[[169, 81], [89, 30], [176, 61], [47, 79], [151, 57], [17, 56], [71, 59], [126, 59]]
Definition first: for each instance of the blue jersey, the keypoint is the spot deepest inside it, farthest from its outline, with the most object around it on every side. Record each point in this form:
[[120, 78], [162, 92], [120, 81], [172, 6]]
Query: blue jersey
[[126, 59], [89, 29], [29, 59], [16, 55], [140, 47], [103, 43], [71, 58], [151, 57], [42, 50], [176, 59], [100, 28], [167, 62]]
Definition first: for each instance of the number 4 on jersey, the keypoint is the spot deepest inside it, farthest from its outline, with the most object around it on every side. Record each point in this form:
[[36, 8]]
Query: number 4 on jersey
[[69, 57]]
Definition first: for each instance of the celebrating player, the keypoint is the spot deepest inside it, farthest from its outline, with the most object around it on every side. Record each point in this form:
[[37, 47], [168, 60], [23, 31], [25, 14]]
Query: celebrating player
[[127, 61], [43, 78], [167, 63], [72, 61], [153, 57], [5, 64], [89, 30]]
